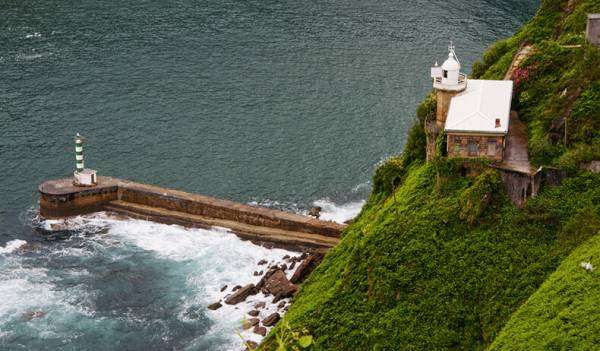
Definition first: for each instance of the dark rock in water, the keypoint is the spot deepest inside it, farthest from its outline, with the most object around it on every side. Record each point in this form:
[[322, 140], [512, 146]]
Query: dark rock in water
[[303, 256], [236, 287], [281, 304], [306, 267], [249, 323], [292, 265], [277, 284], [29, 247], [271, 320], [284, 267], [215, 306], [241, 294], [250, 345], [253, 313], [260, 285], [256, 273], [260, 330], [29, 315], [261, 304], [286, 257], [315, 211], [223, 288], [261, 262]]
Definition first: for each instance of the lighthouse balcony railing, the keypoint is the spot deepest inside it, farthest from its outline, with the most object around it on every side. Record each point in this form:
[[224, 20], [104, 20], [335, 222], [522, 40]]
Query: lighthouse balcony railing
[[462, 83]]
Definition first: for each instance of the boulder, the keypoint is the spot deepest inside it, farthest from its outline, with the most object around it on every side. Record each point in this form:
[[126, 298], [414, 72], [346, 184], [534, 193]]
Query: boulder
[[253, 313], [306, 267], [249, 323], [250, 345], [223, 288], [260, 330], [277, 284], [214, 306], [286, 257], [281, 304], [261, 304], [236, 287], [241, 294], [271, 320], [261, 262], [315, 211], [292, 265]]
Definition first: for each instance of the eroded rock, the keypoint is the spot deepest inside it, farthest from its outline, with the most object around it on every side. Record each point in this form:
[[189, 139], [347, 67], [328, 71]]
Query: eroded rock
[[271, 320], [215, 306], [306, 267], [241, 294]]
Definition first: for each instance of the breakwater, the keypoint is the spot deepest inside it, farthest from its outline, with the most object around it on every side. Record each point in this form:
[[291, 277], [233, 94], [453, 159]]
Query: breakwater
[[60, 198]]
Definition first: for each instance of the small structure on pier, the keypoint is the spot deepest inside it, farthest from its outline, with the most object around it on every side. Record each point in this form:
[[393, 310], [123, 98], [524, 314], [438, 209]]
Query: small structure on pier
[[474, 114], [82, 175]]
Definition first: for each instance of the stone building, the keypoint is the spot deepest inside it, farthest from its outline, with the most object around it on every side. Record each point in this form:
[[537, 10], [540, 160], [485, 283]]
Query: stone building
[[474, 114]]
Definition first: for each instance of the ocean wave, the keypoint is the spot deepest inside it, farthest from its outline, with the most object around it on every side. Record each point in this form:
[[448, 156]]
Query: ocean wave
[[331, 211], [12, 246], [34, 35]]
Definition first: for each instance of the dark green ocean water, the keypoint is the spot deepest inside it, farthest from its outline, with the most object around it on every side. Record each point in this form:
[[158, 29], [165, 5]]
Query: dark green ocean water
[[281, 103]]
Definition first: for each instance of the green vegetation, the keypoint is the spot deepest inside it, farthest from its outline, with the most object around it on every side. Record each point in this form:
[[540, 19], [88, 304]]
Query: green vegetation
[[437, 260], [563, 313]]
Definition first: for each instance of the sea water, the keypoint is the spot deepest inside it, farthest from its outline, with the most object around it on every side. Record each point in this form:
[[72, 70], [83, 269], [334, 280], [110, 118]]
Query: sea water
[[283, 104]]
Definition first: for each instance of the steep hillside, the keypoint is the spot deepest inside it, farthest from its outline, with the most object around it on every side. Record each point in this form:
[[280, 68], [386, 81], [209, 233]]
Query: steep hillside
[[437, 260], [563, 313]]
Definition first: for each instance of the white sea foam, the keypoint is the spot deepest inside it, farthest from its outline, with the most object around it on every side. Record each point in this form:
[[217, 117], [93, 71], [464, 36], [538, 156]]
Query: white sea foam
[[219, 257], [338, 213], [12, 246], [34, 35], [212, 258]]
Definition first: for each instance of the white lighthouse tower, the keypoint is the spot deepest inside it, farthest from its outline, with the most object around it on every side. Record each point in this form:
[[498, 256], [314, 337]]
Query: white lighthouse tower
[[83, 176], [447, 82]]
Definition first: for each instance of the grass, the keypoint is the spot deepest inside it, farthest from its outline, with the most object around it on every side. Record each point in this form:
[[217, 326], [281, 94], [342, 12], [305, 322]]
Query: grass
[[563, 313]]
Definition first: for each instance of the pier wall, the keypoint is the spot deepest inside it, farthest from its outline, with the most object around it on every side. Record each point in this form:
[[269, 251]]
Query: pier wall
[[60, 198]]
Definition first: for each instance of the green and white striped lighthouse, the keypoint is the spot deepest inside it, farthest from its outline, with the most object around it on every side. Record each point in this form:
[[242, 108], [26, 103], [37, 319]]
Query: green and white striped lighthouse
[[79, 153], [83, 176]]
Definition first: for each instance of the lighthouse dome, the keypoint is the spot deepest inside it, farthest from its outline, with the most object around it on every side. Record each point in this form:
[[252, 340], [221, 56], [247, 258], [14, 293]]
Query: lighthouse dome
[[451, 64]]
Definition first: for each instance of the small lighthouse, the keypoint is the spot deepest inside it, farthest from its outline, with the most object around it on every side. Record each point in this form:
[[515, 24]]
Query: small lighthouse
[[447, 82], [83, 176]]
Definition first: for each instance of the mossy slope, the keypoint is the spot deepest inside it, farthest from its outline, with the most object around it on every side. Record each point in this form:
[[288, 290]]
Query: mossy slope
[[564, 313]]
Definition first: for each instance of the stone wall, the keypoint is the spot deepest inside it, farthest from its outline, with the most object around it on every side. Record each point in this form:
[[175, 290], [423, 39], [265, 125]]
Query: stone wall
[[223, 209], [443, 105], [458, 146], [86, 201], [60, 198]]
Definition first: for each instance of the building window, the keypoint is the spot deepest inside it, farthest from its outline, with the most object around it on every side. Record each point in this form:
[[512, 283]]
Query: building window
[[491, 151], [473, 147], [445, 74], [457, 145]]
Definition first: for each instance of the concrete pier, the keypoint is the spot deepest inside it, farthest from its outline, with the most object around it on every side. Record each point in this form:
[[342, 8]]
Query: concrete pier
[[61, 198]]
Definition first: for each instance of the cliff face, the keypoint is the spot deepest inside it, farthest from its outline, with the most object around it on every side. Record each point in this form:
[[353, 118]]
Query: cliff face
[[439, 260]]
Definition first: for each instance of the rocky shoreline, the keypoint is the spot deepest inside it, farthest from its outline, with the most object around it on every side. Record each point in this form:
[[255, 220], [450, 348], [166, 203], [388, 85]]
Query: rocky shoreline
[[272, 293]]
